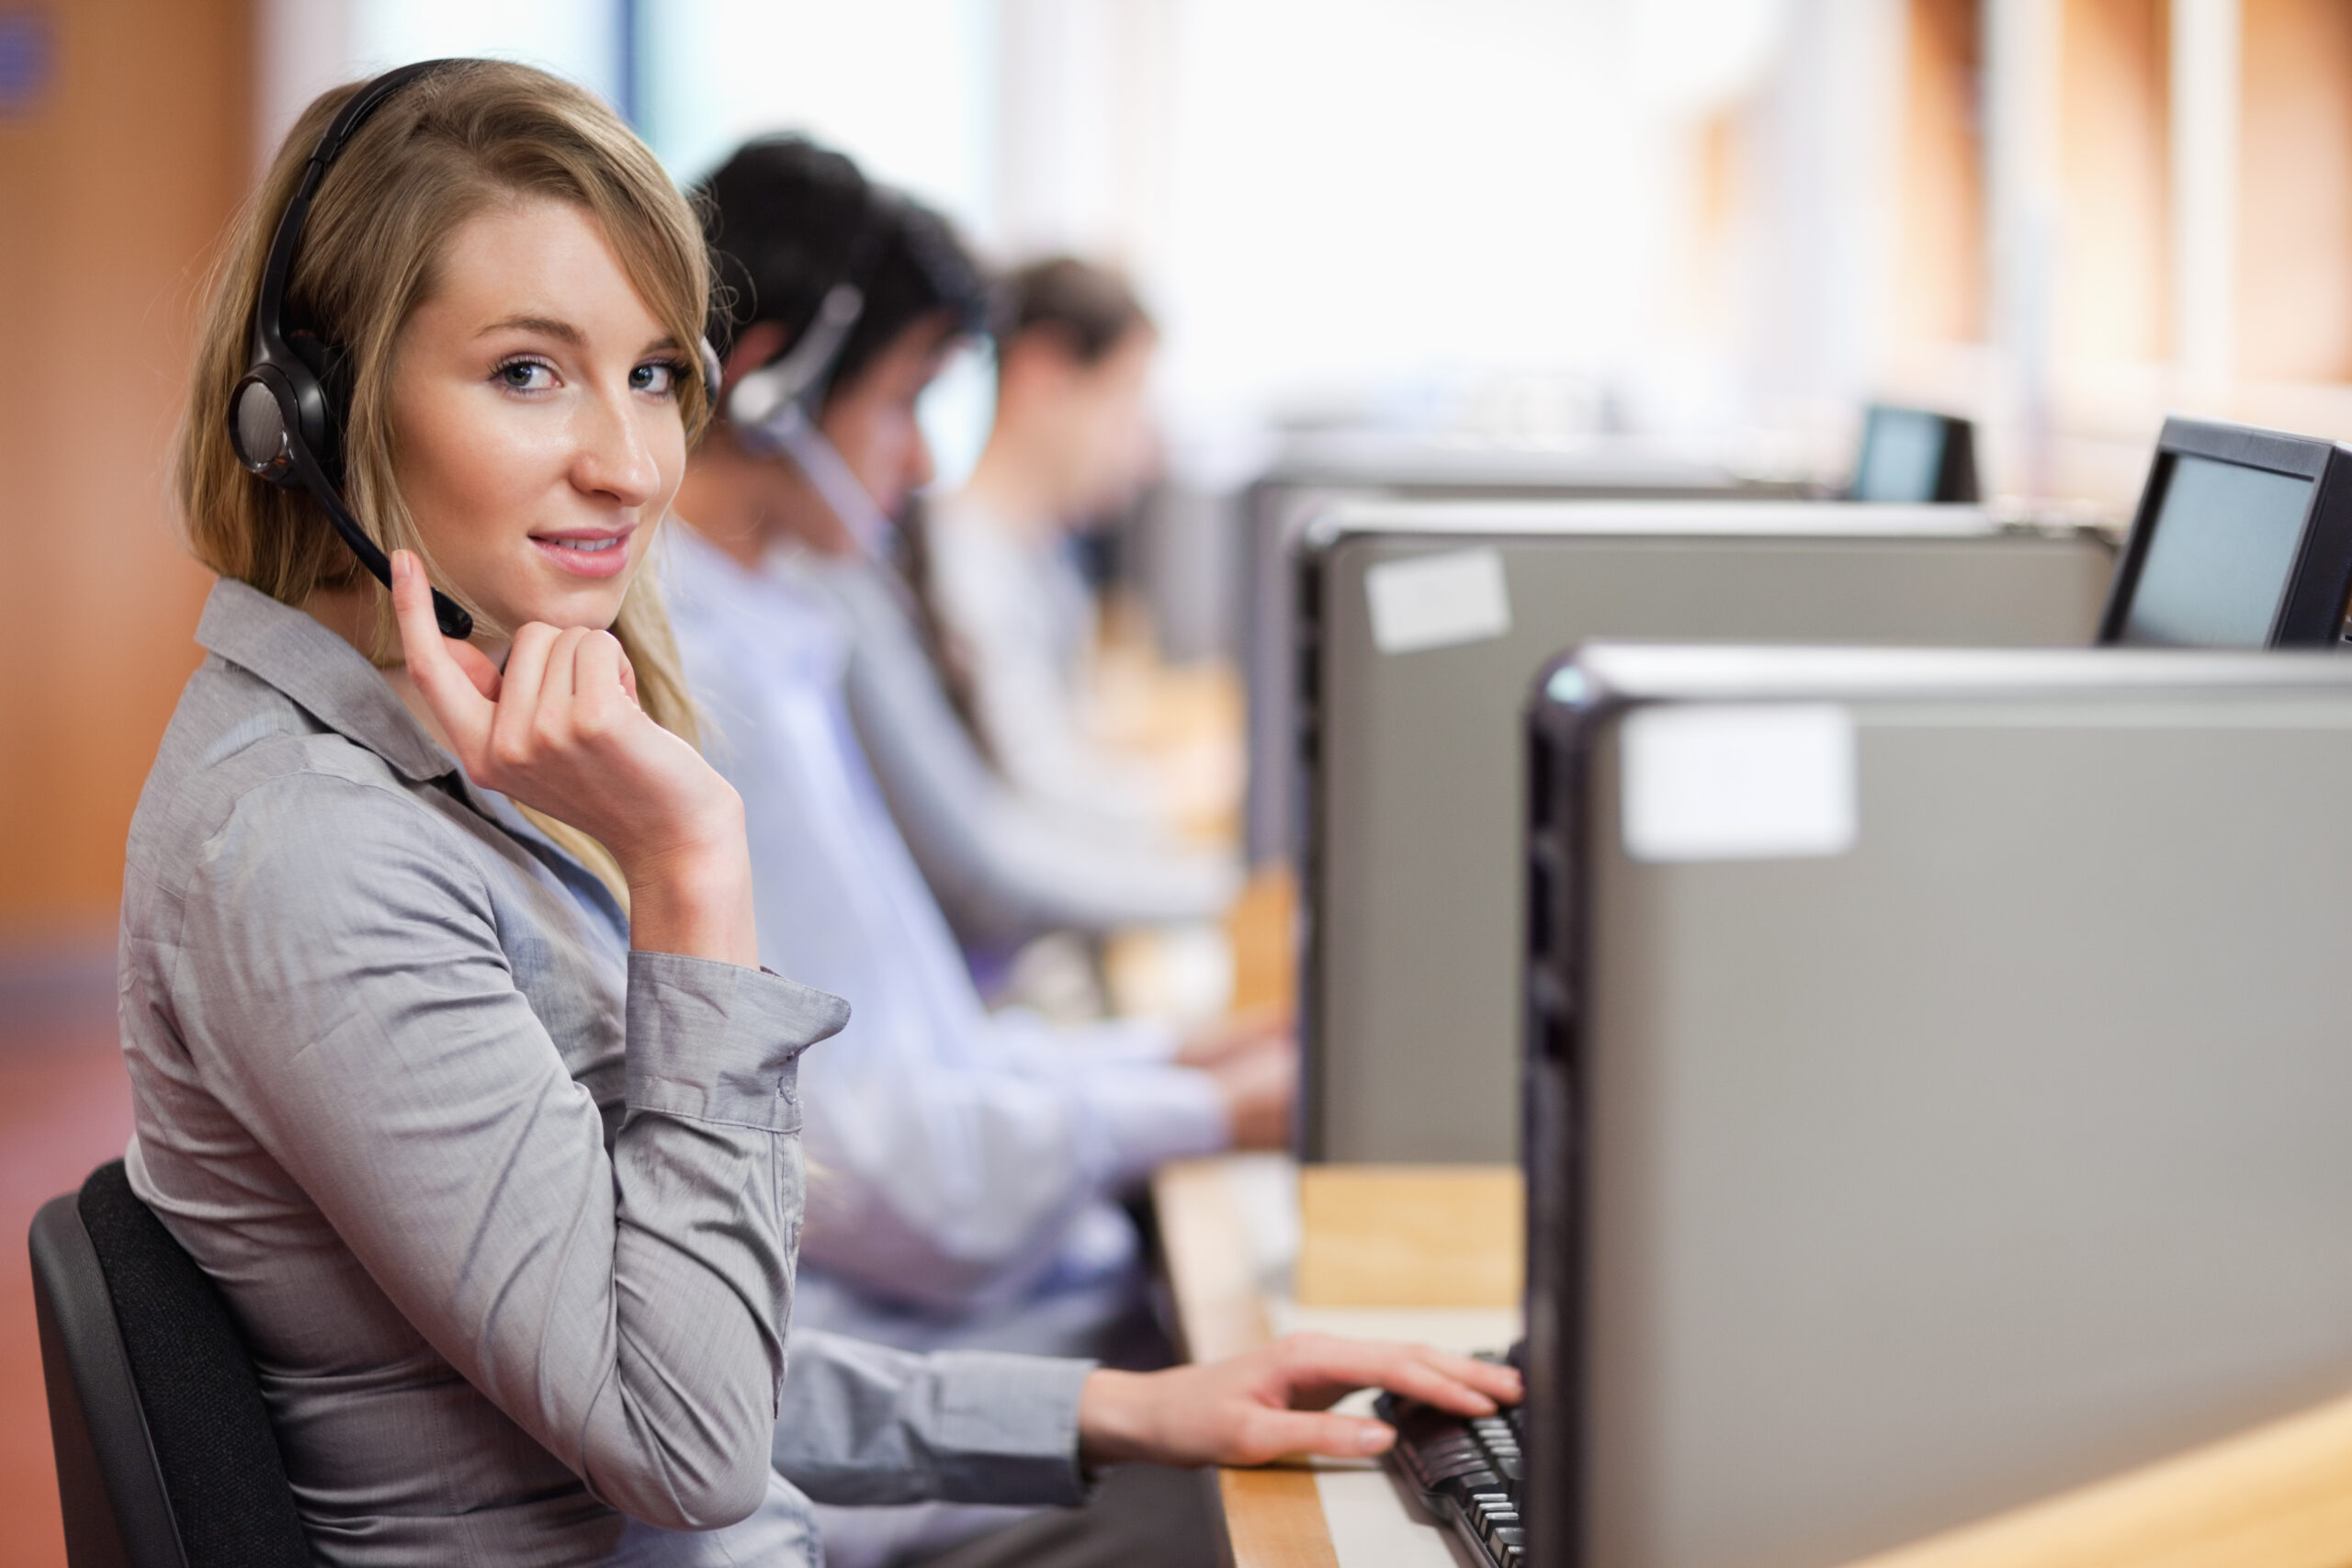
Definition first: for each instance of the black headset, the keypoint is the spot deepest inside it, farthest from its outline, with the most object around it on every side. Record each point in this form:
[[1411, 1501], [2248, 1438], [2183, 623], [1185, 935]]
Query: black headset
[[285, 418], [773, 409], [792, 386]]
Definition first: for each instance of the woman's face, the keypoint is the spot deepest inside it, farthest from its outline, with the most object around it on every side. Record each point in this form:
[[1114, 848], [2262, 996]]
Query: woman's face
[[871, 420], [1088, 426], [1112, 444], [536, 431]]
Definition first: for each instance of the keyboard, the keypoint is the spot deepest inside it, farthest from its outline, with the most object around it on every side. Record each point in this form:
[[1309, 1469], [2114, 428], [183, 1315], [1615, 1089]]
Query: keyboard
[[1466, 1469]]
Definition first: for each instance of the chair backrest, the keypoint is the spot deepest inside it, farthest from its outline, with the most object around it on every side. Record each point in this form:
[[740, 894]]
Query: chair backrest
[[165, 1458]]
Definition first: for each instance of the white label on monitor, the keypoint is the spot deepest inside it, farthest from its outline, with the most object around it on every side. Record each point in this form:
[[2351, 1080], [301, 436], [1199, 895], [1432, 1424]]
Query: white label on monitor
[[1437, 600], [1738, 783]]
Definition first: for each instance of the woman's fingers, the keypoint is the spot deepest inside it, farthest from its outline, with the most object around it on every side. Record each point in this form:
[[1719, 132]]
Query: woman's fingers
[[1325, 1365], [451, 689], [628, 674], [1268, 1435], [600, 694], [513, 738], [475, 664]]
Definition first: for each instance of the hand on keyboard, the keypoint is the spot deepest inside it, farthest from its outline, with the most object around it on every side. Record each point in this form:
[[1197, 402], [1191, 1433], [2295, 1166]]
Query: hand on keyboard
[[1275, 1400]]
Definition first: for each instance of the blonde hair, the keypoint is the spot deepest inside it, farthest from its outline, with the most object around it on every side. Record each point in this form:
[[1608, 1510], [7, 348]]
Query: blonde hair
[[440, 151]]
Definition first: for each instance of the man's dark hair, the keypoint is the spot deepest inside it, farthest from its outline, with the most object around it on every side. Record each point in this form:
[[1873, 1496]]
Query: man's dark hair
[[787, 220], [1091, 309]]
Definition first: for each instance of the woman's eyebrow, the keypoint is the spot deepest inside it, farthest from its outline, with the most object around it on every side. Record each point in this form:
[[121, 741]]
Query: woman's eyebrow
[[546, 325]]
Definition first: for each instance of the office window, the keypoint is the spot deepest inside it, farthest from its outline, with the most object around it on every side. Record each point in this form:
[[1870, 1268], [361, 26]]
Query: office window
[[1940, 271], [2294, 307], [2113, 169]]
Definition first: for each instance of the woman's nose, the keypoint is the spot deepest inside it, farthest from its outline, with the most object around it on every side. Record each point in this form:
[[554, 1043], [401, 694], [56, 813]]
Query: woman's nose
[[615, 456], [921, 469]]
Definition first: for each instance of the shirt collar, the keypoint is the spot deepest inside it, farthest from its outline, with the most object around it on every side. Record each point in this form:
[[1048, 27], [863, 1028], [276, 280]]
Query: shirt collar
[[335, 684], [328, 677]]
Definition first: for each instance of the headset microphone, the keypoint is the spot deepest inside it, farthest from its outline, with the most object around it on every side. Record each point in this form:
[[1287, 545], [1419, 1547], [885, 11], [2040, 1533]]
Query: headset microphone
[[284, 419]]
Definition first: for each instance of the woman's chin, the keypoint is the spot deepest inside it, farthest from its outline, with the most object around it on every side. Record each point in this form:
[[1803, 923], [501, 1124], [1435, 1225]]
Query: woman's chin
[[592, 605], [565, 599]]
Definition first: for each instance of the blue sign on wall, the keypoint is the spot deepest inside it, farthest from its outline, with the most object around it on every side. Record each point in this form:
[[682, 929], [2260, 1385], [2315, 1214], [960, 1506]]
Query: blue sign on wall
[[28, 55]]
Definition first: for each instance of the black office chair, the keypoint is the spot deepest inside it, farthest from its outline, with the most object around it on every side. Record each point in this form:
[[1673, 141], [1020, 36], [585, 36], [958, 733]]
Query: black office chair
[[165, 1458]]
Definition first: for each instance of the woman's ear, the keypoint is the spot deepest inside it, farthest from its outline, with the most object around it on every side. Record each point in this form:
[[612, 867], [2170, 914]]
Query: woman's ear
[[754, 346], [1041, 361]]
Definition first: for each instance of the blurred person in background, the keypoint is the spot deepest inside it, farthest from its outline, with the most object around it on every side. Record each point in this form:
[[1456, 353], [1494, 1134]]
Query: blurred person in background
[[973, 1164], [1072, 447], [1003, 870]]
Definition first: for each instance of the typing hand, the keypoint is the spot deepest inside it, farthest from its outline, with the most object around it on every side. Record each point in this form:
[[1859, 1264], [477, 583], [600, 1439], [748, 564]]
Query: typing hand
[[1260, 1083], [1276, 1401], [560, 730], [1244, 1032]]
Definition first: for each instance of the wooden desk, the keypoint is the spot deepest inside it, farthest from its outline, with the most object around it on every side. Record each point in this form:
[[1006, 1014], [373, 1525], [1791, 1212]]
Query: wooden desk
[[2279, 1496]]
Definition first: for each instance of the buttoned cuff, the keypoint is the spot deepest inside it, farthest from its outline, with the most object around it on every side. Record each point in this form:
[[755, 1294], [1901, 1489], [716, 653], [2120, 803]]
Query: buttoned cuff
[[1130, 1040], [712, 1042], [1005, 1428], [1151, 1115]]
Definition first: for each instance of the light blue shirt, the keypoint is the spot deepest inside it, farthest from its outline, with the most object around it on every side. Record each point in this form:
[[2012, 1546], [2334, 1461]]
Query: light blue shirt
[[969, 1162]]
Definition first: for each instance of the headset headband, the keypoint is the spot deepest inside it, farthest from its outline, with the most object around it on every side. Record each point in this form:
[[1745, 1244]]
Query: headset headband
[[269, 308], [798, 379]]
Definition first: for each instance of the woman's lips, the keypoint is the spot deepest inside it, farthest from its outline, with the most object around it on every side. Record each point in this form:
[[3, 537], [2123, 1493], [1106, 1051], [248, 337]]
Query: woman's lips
[[585, 554]]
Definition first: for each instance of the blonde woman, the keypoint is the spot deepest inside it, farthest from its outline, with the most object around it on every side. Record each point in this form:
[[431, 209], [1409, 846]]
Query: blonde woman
[[451, 1063]]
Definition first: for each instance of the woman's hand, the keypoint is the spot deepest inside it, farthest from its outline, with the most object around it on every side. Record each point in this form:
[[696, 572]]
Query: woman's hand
[[560, 730], [1275, 1401], [1254, 1060]]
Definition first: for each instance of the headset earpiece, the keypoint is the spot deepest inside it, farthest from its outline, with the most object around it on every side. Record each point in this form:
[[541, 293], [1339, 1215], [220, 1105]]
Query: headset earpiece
[[711, 377], [285, 418], [330, 369]]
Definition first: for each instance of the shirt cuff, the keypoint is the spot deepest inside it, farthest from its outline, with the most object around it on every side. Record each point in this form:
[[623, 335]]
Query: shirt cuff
[[712, 1042], [1006, 1427], [1129, 1041], [1151, 1115]]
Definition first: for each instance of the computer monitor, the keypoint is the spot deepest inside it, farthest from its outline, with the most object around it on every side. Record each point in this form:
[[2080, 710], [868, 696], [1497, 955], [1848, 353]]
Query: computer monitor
[[1421, 625], [1317, 470], [1915, 455], [1937, 1075], [2243, 539]]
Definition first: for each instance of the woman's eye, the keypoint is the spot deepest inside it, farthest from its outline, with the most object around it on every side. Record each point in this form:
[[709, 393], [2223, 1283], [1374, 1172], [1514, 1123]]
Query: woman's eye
[[524, 375], [660, 378]]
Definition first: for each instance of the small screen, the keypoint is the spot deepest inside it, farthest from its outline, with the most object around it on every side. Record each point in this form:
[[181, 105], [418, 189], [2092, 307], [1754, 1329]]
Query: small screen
[[2218, 557], [1903, 453]]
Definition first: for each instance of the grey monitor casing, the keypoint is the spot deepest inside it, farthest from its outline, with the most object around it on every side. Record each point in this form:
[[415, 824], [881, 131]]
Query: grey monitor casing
[[1412, 783], [1315, 470], [1874, 1192]]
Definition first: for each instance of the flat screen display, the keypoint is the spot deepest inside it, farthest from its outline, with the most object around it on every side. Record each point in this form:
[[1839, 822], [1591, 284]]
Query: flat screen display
[[2218, 557], [1903, 453]]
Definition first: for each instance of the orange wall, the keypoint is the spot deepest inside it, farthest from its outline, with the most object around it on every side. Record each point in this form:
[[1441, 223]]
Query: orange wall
[[1941, 291], [113, 187], [2295, 191], [2114, 163]]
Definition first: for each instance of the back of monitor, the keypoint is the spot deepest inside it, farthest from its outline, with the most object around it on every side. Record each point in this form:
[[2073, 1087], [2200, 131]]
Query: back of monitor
[[1316, 472], [1412, 874], [1884, 1189]]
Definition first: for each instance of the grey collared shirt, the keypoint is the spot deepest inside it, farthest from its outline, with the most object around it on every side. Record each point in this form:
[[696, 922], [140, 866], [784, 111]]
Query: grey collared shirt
[[506, 1211]]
